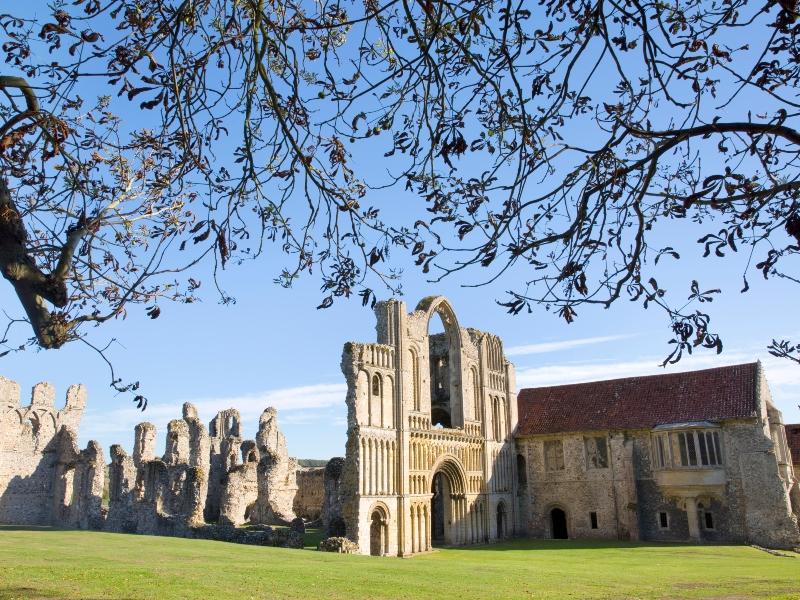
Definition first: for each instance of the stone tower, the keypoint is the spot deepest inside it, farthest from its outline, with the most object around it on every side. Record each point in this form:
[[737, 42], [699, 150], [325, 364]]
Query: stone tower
[[429, 456]]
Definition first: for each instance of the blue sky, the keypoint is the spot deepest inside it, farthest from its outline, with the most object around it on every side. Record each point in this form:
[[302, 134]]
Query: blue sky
[[273, 348]]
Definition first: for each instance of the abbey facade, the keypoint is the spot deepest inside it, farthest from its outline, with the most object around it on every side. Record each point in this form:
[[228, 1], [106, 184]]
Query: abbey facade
[[430, 448], [441, 451], [436, 456], [430, 453]]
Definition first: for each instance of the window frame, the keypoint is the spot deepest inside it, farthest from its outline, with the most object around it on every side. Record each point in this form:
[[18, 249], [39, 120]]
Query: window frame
[[592, 440], [690, 448], [547, 463], [659, 521]]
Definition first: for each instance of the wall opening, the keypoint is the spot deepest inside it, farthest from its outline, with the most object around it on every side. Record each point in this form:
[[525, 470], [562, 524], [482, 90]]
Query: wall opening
[[378, 533], [439, 358], [501, 520], [522, 473], [440, 488], [558, 524], [336, 528]]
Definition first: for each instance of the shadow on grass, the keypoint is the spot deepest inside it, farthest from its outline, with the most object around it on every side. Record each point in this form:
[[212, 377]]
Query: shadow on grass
[[547, 544], [39, 528]]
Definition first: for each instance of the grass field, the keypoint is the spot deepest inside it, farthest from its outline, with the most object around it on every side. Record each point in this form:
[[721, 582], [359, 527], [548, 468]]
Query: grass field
[[47, 563]]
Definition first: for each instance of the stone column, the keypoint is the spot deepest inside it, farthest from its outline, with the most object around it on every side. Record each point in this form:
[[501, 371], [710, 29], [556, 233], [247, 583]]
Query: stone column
[[691, 515]]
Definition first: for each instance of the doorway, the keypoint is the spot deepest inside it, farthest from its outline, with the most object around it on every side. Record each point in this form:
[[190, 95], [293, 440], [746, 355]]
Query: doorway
[[558, 524]]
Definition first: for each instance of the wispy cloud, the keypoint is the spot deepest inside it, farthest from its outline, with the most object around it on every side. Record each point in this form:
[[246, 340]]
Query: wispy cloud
[[296, 405], [546, 347]]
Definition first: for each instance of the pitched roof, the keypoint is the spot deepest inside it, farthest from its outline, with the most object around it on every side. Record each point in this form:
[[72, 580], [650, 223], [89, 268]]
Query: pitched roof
[[793, 439], [640, 402]]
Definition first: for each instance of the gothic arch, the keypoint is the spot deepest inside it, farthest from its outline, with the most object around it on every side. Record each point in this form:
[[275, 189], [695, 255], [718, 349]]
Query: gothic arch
[[452, 330]]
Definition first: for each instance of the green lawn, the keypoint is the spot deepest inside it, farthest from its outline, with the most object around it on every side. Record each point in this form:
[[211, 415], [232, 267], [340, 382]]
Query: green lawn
[[46, 563]]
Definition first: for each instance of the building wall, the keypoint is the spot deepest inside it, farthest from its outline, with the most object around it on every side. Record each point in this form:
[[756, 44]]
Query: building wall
[[395, 447], [44, 478], [748, 496]]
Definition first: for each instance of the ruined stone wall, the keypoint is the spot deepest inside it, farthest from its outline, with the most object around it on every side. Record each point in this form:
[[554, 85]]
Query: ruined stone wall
[[44, 478], [333, 522], [277, 483], [310, 494]]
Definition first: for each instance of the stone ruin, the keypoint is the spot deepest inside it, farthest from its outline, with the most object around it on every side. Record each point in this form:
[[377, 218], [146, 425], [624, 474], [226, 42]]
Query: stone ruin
[[208, 483]]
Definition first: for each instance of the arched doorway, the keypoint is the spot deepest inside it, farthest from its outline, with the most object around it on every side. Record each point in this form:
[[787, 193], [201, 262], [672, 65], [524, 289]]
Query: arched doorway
[[441, 488], [448, 503], [378, 532], [501, 520], [558, 524]]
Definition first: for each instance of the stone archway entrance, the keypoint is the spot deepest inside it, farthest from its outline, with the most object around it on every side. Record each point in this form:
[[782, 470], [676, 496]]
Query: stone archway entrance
[[448, 504], [378, 533], [501, 520], [558, 524]]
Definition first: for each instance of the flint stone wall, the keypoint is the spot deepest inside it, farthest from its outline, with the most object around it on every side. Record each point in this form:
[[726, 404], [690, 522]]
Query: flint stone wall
[[310, 496]]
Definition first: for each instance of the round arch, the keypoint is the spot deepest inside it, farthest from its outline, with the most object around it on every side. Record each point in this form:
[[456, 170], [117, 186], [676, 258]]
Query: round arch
[[452, 468], [379, 516], [448, 502]]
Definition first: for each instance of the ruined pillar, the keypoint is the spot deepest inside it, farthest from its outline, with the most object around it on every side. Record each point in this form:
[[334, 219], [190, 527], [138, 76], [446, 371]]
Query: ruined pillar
[[144, 445], [177, 447], [277, 473]]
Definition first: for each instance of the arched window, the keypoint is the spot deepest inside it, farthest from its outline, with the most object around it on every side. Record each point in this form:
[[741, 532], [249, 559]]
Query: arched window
[[415, 379], [476, 395], [376, 385], [376, 402], [522, 474]]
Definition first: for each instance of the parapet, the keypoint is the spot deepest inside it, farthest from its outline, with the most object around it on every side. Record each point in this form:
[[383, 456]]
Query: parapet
[[43, 395], [42, 403]]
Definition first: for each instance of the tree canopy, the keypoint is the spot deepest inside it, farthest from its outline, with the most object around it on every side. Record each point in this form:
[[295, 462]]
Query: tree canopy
[[549, 139]]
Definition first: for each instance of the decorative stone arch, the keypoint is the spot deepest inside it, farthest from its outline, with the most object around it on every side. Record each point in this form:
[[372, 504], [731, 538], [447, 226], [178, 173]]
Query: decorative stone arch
[[451, 466], [379, 516], [448, 511], [440, 305]]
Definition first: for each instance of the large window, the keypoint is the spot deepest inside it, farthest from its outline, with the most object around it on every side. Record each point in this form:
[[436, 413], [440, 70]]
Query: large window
[[693, 448], [554, 455], [596, 452]]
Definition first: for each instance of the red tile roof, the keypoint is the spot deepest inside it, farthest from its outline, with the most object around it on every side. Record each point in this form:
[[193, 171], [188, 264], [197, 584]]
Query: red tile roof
[[640, 402], [793, 439]]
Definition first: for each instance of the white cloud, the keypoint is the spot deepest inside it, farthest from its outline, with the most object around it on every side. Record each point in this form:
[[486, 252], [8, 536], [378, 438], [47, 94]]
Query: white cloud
[[546, 347], [296, 405], [782, 375]]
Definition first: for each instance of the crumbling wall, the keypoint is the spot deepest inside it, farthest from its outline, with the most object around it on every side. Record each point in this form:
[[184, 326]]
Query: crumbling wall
[[163, 496], [310, 494], [240, 490], [333, 523], [277, 483], [224, 446], [78, 483], [44, 478]]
